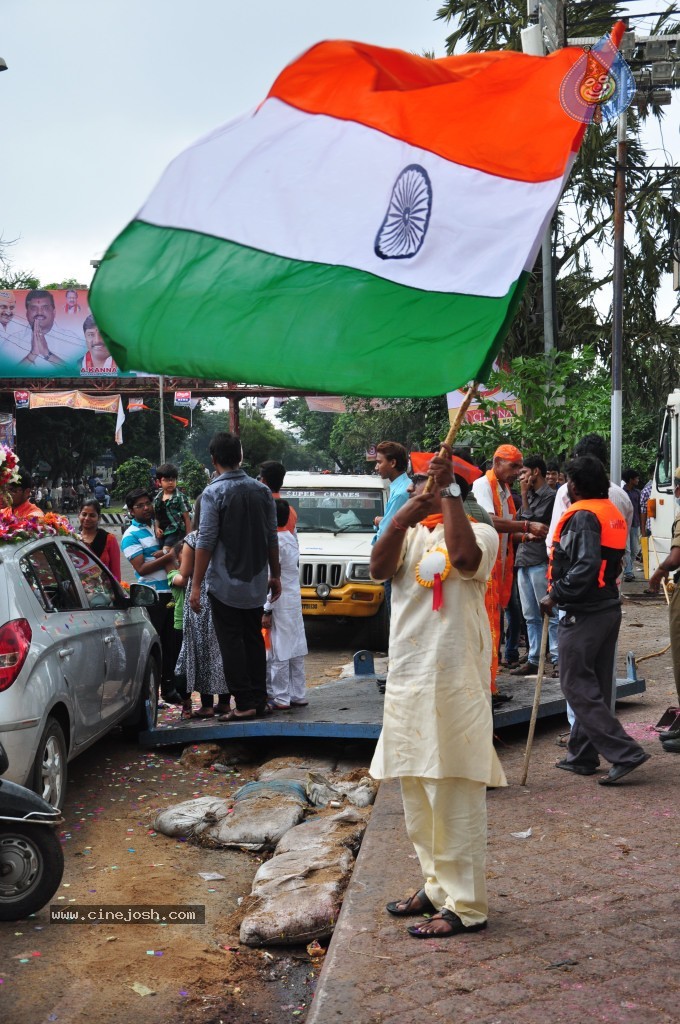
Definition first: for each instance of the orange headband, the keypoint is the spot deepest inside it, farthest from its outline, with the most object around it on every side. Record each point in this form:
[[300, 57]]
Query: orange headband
[[508, 452]]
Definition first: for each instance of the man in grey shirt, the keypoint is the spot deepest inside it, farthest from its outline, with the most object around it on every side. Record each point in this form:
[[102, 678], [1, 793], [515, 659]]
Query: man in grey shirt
[[531, 561], [238, 554]]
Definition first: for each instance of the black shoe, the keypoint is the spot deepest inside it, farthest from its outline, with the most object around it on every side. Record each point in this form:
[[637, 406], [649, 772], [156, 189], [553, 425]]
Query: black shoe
[[576, 769], [527, 669], [454, 927], [617, 771], [173, 697], [500, 698], [671, 746], [407, 908], [669, 734]]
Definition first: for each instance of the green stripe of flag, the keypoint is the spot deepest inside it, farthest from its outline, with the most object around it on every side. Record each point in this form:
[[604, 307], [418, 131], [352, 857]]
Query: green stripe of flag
[[180, 302]]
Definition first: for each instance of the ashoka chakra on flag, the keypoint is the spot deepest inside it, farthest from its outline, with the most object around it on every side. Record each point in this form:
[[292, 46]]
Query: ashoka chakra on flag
[[403, 230]]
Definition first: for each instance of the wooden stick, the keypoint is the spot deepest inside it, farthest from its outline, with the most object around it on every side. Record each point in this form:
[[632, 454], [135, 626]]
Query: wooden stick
[[455, 426], [658, 563], [537, 698]]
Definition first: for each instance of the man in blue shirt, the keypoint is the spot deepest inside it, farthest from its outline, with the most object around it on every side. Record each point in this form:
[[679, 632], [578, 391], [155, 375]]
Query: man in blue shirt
[[238, 554], [145, 555], [391, 464]]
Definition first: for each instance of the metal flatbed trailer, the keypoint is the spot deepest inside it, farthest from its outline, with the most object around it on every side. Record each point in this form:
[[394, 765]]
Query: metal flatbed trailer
[[352, 708]]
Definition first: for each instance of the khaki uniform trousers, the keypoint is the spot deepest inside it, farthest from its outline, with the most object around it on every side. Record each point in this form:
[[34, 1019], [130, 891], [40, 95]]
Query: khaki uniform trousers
[[674, 624], [446, 822]]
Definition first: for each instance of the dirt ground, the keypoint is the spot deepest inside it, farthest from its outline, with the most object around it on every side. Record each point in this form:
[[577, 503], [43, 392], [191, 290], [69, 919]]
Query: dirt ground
[[79, 973]]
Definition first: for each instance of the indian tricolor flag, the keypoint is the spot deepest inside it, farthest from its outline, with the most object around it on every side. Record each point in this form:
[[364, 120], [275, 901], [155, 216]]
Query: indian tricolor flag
[[367, 230]]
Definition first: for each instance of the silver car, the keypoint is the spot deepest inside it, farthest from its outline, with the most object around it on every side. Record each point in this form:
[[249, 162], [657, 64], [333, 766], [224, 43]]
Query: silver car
[[78, 656]]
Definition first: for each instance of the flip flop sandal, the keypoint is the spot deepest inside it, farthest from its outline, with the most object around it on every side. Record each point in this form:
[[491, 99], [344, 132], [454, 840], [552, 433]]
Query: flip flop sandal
[[456, 927], [408, 910], [237, 716]]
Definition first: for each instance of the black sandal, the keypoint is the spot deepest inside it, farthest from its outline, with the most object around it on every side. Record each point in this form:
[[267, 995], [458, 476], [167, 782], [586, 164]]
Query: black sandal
[[408, 910], [456, 927]]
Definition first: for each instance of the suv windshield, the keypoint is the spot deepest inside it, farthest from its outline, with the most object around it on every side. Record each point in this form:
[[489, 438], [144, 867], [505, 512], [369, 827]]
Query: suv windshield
[[334, 511]]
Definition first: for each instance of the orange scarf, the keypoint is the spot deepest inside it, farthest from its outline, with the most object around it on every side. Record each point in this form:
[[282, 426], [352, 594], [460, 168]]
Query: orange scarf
[[431, 521], [503, 574]]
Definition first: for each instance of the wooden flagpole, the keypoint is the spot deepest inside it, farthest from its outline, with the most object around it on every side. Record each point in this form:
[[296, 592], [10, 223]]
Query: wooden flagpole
[[456, 425], [537, 698]]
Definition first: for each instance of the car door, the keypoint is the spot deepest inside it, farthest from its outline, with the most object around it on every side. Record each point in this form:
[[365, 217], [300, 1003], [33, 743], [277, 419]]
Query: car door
[[74, 632], [121, 630]]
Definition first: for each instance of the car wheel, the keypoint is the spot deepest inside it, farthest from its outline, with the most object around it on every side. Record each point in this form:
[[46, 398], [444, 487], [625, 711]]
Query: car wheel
[[31, 869], [146, 709], [49, 767]]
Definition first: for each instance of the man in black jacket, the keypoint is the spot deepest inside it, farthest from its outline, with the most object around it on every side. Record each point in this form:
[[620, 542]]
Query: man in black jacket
[[585, 561]]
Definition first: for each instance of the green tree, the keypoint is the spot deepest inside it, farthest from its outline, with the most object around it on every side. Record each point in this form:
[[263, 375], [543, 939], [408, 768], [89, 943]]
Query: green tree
[[69, 282], [67, 440], [562, 399], [193, 476], [583, 226], [136, 472]]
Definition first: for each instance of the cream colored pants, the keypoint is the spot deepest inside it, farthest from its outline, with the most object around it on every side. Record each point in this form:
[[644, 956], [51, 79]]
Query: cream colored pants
[[446, 822]]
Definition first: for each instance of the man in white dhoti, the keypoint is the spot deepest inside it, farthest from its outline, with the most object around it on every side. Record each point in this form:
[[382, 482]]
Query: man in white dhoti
[[437, 734]]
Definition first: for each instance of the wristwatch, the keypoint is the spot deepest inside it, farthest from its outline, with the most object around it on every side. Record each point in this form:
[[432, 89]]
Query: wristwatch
[[452, 491]]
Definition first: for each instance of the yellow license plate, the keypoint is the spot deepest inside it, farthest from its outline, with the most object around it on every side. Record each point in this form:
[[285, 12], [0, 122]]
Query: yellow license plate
[[309, 607]]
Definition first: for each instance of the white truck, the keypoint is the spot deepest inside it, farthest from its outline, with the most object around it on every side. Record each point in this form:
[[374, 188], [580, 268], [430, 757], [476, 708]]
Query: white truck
[[335, 531], [662, 508]]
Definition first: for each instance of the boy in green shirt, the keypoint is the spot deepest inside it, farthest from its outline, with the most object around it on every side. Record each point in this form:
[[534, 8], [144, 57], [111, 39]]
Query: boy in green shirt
[[171, 508]]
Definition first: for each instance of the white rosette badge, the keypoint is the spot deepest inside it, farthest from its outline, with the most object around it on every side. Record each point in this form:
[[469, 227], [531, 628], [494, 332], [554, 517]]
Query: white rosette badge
[[431, 571]]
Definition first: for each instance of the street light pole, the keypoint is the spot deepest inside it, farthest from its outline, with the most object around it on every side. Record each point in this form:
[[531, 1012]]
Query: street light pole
[[617, 300], [161, 427]]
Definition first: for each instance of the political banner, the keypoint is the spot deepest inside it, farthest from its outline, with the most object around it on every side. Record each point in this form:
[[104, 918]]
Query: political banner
[[506, 405], [79, 400], [52, 334]]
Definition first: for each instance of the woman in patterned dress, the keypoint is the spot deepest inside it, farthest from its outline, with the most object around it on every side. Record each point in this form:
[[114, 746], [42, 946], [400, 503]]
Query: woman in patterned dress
[[200, 659]]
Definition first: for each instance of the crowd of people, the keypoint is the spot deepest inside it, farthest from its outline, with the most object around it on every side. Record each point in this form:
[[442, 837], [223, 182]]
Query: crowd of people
[[229, 612], [473, 560]]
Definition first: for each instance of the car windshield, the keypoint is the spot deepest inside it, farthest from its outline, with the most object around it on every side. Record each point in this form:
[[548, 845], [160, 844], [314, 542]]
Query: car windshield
[[335, 511]]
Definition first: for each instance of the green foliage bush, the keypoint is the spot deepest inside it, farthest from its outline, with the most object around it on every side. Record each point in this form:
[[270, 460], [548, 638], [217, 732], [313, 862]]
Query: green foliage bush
[[193, 476], [136, 472]]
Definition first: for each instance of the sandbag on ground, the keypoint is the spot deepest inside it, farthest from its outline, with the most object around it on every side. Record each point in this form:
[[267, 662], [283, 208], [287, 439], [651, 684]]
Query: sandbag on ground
[[294, 767], [296, 896], [262, 813], [191, 817], [296, 916], [286, 870], [345, 828]]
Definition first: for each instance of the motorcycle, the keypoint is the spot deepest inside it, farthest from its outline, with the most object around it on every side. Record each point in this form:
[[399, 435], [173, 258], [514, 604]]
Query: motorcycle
[[31, 857]]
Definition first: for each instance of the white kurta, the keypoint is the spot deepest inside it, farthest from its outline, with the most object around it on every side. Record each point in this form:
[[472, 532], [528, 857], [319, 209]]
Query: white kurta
[[481, 488], [437, 721], [288, 629]]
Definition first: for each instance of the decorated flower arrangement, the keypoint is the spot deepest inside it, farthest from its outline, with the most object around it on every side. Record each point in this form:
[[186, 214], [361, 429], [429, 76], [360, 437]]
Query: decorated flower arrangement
[[15, 531], [9, 467]]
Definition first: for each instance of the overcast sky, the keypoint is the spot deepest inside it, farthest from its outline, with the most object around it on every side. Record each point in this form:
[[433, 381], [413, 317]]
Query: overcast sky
[[101, 94]]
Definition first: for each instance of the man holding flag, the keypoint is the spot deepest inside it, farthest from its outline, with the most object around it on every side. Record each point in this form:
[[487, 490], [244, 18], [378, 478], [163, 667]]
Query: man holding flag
[[437, 735]]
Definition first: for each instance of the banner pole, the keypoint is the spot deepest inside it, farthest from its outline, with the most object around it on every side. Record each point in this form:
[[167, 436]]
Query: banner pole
[[456, 425], [161, 428]]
